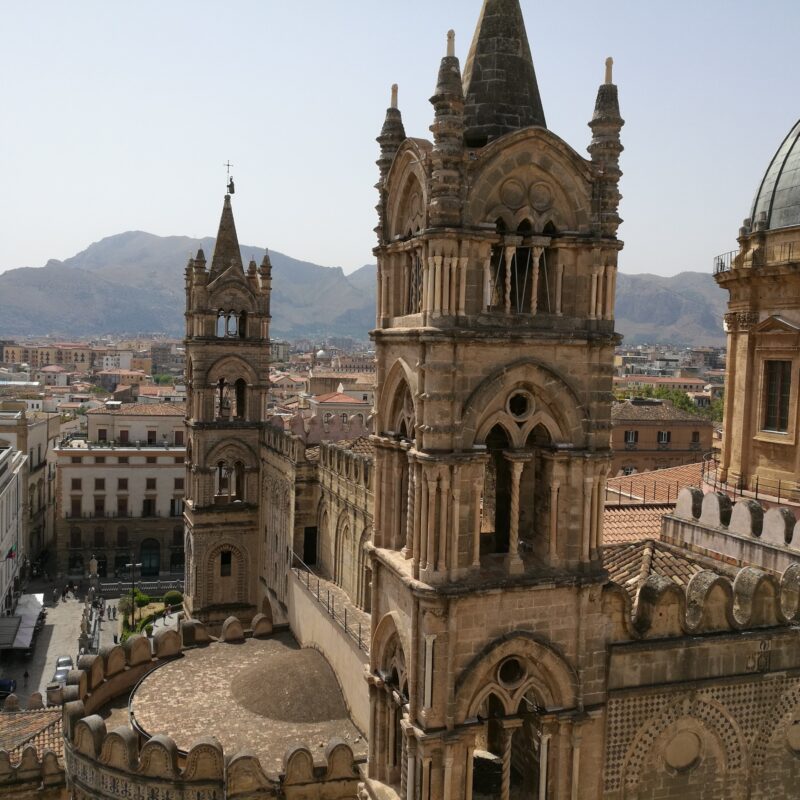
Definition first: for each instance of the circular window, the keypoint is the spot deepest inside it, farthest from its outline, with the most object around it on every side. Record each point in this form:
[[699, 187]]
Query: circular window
[[511, 673], [520, 405], [683, 751]]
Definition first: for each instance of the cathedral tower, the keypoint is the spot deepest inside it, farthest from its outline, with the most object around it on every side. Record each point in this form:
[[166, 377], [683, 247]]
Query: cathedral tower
[[497, 262], [227, 368]]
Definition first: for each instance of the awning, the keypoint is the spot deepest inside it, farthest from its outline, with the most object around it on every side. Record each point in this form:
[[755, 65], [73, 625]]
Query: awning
[[16, 632]]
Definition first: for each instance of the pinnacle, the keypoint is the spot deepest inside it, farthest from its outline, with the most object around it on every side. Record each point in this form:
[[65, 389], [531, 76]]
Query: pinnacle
[[226, 248], [500, 86]]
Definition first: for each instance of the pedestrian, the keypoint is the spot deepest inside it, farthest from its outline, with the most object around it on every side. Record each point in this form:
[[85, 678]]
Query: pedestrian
[[55, 595], [25, 678]]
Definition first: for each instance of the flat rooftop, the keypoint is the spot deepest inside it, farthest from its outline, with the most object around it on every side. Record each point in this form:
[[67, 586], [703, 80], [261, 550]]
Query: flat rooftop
[[260, 695]]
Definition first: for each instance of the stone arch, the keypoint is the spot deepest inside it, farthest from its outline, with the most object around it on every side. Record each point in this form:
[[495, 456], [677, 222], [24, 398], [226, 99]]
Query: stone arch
[[231, 366], [239, 558], [531, 173], [389, 634], [557, 403], [546, 673], [406, 192], [714, 718], [399, 379]]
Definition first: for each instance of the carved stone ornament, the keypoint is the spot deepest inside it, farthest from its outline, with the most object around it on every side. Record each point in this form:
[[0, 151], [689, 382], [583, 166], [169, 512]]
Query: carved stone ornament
[[747, 320]]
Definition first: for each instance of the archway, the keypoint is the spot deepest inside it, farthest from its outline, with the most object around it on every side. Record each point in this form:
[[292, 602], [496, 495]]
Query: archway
[[150, 558]]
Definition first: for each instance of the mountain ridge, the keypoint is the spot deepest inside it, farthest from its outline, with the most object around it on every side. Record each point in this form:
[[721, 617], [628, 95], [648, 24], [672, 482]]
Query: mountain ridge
[[132, 282]]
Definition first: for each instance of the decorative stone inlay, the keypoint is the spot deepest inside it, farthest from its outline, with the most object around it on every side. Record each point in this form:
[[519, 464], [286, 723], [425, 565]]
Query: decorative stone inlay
[[512, 193], [541, 196], [683, 751]]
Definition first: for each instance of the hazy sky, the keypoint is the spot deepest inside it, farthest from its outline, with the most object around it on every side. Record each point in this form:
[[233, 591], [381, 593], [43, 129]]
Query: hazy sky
[[119, 115]]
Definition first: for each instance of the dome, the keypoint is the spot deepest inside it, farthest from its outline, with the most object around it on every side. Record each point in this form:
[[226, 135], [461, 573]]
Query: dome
[[321, 354], [778, 197]]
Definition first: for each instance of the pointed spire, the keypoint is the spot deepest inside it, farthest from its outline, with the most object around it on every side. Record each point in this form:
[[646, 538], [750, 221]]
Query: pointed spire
[[393, 134], [448, 141], [500, 86], [605, 150], [226, 248]]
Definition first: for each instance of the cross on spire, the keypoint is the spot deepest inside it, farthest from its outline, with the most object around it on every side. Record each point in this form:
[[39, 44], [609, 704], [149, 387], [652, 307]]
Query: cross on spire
[[228, 166]]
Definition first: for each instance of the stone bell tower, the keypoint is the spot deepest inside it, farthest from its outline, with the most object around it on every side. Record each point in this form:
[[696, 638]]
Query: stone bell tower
[[227, 372], [497, 261]]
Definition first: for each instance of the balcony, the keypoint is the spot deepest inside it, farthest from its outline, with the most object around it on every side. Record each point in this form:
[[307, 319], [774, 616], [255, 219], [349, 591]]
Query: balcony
[[784, 253]]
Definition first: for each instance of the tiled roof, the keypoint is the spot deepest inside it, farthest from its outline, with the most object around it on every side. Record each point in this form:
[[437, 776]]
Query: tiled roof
[[40, 729], [312, 453], [623, 524], [144, 410], [647, 410], [363, 446], [656, 486], [631, 564], [338, 397]]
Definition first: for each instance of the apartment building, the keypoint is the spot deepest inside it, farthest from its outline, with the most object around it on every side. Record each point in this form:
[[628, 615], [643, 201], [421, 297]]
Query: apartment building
[[12, 522], [120, 491]]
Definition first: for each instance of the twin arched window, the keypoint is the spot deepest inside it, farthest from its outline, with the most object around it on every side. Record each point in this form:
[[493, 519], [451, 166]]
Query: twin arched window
[[231, 324], [230, 401], [229, 482]]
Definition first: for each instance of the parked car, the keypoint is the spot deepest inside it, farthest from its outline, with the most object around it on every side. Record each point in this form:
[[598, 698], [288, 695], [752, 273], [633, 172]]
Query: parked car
[[60, 675], [7, 686], [65, 662]]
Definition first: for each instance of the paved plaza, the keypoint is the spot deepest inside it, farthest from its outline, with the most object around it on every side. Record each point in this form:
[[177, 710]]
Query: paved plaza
[[58, 637]]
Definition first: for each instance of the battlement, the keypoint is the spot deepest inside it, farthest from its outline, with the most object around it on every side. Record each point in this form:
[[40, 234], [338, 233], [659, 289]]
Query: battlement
[[756, 598], [350, 463], [739, 534], [43, 776]]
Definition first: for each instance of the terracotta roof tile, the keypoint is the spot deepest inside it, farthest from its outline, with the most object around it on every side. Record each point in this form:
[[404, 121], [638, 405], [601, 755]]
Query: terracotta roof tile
[[362, 445], [632, 523], [144, 410], [40, 729], [338, 397], [647, 410], [656, 486]]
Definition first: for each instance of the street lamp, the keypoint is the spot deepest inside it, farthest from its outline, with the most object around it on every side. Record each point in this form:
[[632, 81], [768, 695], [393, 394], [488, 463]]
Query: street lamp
[[133, 566]]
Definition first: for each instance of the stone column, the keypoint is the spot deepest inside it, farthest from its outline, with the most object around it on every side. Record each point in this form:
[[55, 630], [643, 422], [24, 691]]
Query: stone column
[[554, 487], [515, 564], [559, 287], [510, 252], [543, 748], [430, 639], [462, 285], [593, 296], [430, 560], [469, 771], [408, 550], [444, 507], [509, 726], [437, 284], [576, 765], [611, 275], [598, 311], [419, 487], [422, 555], [411, 779], [426, 778], [448, 775], [536, 256], [587, 518], [487, 281], [455, 523], [476, 533], [445, 307]]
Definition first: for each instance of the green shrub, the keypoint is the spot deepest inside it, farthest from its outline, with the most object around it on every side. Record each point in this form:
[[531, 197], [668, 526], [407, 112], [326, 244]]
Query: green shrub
[[142, 600], [173, 598], [149, 629], [125, 606]]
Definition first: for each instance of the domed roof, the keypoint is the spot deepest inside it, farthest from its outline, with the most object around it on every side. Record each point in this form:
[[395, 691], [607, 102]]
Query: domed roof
[[778, 197]]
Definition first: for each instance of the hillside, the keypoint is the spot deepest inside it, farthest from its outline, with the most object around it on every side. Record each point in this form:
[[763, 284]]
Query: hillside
[[133, 283]]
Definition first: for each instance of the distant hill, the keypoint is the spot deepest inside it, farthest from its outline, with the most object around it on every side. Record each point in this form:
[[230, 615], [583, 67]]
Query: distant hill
[[133, 283]]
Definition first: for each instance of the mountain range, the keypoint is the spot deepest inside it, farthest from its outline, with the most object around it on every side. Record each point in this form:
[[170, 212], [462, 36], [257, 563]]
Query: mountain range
[[133, 283]]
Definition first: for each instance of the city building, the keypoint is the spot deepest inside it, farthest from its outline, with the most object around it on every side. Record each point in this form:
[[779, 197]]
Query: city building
[[454, 626], [762, 452], [12, 523], [648, 434], [120, 491]]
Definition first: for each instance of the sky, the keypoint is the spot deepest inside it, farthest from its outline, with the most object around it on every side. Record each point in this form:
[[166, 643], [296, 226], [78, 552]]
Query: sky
[[119, 116]]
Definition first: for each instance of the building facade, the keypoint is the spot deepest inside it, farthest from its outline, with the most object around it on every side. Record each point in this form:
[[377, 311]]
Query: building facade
[[12, 522], [120, 492], [649, 434], [763, 329]]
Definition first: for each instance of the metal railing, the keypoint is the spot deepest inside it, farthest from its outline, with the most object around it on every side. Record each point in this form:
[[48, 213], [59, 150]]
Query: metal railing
[[779, 491], [316, 587], [153, 588], [783, 253]]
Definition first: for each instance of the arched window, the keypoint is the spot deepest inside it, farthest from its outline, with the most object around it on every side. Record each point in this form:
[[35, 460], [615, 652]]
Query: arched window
[[344, 419], [231, 324], [495, 523], [222, 400], [243, 325], [238, 491], [221, 323], [326, 418]]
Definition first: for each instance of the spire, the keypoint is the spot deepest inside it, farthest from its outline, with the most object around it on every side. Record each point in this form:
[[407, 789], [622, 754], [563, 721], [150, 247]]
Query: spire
[[393, 134], [499, 79], [605, 150], [226, 248], [448, 141]]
